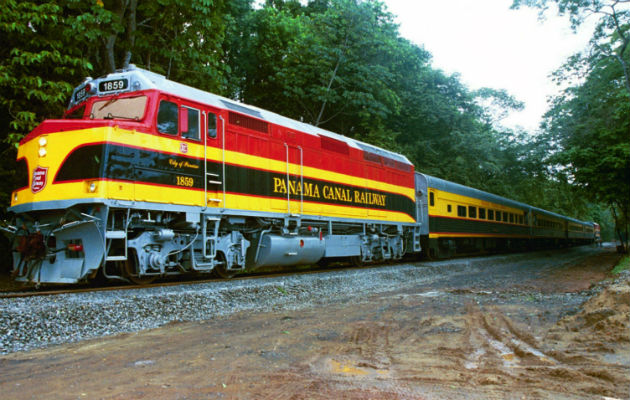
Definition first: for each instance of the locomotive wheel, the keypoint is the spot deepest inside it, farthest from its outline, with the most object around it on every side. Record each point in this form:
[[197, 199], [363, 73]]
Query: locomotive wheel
[[130, 270], [221, 269], [428, 254], [357, 261]]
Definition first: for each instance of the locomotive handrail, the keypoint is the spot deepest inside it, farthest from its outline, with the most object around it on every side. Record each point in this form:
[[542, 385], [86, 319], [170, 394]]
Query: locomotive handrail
[[204, 131], [286, 146], [206, 174], [223, 155], [301, 180]]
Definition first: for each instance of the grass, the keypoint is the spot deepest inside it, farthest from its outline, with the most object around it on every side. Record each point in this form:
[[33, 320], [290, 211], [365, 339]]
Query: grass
[[622, 265]]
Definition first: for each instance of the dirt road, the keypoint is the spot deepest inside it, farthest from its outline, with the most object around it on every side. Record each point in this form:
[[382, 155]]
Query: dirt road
[[523, 330]]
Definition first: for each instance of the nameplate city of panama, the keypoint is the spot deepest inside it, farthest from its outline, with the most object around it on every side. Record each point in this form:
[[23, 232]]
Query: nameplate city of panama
[[329, 192]]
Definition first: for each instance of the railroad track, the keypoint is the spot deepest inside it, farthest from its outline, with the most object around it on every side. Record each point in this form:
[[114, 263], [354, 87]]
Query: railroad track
[[33, 292], [314, 270], [52, 292]]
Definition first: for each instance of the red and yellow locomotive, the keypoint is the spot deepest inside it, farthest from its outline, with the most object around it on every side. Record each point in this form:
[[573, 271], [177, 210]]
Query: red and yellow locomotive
[[145, 177]]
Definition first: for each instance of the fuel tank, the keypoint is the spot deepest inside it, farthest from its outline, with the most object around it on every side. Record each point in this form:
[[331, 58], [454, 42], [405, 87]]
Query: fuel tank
[[289, 250]]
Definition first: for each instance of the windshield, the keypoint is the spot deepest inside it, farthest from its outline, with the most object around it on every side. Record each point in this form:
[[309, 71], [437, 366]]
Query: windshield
[[123, 108]]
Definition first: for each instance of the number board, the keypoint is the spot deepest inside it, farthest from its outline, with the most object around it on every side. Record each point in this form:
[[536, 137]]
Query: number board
[[81, 94], [113, 85]]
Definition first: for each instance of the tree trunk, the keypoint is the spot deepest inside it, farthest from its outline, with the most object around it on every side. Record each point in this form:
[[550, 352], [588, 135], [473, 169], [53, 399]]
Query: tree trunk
[[330, 82], [623, 243], [131, 32], [110, 42]]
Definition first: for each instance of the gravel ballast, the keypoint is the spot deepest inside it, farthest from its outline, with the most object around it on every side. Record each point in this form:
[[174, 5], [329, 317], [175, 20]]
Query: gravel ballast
[[41, 321]]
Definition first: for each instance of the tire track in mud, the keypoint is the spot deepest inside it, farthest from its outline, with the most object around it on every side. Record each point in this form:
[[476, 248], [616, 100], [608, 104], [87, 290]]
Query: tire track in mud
[[492, 336], [495, 351]]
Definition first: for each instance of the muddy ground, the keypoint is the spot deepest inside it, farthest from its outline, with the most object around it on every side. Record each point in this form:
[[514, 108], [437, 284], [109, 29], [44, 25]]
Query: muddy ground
[[523, 330]]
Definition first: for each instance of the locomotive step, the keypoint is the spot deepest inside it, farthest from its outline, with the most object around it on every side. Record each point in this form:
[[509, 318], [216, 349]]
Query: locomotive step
[[115, 234]]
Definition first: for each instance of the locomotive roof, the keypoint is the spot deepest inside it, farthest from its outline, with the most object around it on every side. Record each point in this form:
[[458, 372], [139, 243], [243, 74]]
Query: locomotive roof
[[456, 188], [141, 79]]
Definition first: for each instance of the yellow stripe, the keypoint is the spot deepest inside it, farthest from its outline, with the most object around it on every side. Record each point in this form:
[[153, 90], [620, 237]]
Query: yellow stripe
[[443, 199], [479, 235], [237, 158]]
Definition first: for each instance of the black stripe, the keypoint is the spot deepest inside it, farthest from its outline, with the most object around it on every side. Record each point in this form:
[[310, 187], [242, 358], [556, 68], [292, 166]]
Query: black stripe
[[456, 225]]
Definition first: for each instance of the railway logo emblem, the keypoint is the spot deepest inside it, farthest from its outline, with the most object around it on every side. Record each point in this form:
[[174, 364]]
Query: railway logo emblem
[[40, 176], [183, 147]]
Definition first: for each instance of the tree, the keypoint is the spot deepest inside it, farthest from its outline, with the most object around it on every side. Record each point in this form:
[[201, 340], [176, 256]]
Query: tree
[[50, 47], [587, 126], [36, 63], [182, 39], [612, 33], [325, 63]]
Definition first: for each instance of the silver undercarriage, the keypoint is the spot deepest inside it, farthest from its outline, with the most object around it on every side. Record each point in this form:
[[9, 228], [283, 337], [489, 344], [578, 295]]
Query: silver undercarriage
[[140, 242]]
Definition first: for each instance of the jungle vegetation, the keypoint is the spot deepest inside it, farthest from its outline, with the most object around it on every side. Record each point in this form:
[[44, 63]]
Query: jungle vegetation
[[342, 65]]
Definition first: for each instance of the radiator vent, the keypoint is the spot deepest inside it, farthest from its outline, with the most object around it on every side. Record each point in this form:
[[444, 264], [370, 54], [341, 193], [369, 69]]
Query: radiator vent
[[335, 145], [371, 157], [248, 122]]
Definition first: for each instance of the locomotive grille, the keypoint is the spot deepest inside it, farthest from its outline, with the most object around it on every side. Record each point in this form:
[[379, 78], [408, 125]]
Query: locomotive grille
[[334, 145], [248, 122], [371, 157]]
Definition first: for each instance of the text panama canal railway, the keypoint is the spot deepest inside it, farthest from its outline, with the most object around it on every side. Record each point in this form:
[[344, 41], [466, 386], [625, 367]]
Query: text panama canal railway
[[144, 177]]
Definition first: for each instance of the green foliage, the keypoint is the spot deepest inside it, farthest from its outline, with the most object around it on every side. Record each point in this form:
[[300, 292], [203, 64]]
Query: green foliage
[[182, 39], [342, 65], [611, 39], [622, 265], [587, 127], [326, 63], [497, 103], [36, 64], [50, 47]]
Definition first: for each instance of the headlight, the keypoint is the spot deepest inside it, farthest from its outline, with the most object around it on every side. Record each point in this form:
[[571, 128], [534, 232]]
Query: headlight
[[42, 146]]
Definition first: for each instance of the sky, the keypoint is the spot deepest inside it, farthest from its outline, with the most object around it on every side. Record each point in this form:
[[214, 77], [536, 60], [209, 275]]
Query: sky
[[489, 45]]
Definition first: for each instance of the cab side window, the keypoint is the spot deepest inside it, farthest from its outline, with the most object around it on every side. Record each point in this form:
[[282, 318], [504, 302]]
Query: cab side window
[[212, 126], [193, 124], [167, 120]]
